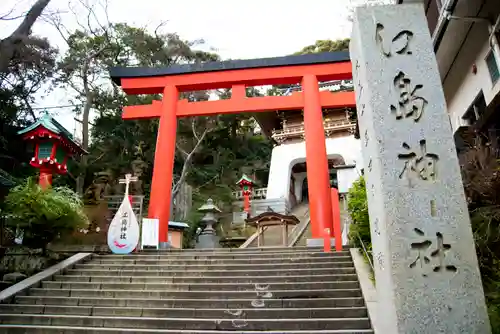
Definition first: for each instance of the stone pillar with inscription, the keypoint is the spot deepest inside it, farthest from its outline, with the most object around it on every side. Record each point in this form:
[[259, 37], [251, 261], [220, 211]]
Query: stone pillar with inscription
[[426, 269]]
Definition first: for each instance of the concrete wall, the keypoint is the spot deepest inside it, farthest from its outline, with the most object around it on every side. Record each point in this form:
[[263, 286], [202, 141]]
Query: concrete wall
[[346, 178], [284, 157], [461, 85]]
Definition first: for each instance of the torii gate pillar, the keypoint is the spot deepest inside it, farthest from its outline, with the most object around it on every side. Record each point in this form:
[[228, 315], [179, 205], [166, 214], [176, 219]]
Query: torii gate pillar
[[161, 186]]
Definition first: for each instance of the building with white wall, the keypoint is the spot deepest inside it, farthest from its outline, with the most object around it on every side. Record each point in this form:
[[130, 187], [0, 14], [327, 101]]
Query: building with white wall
[[465, 34], [287, 184], [287, 175]]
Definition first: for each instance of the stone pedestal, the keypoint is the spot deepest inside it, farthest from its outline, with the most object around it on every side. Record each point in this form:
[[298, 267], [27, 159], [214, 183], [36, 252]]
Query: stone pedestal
[[426, 268], [208, 241], [317, 242]]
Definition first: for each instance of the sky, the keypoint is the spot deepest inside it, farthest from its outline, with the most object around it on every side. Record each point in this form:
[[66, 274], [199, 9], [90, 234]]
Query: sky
[[234, 29]]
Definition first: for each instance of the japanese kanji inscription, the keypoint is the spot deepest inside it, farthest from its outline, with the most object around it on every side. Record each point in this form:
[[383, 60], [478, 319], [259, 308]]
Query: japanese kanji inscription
[[410, 104], [423, 246], [426, 254], [400, 44], [418, 164]]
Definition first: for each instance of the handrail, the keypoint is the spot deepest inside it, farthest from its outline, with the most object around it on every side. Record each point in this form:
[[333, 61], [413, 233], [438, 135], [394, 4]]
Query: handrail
[[300, 228], [366, 252], [253, 237]]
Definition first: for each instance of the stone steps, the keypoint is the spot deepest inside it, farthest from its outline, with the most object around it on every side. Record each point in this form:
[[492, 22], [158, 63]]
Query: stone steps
[[119, 293], [207, 313], [282, 254], [264, 291], [234, 303], [199, 286], [208, 279], [184, 323], [240, 261], [180, 273], [23, 329], [216, 267]]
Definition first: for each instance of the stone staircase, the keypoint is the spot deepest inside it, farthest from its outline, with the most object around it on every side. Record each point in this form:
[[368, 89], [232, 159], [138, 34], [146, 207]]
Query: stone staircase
[[280, 290]]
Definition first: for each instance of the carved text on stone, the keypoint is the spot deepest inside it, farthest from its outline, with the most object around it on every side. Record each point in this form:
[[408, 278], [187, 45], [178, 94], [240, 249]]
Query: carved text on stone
[[410, 104], [427, 254], [418, 164], [400, 44]]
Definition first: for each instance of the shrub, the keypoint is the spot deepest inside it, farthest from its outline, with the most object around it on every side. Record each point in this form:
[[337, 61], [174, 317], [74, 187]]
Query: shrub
[[480, 168], [358, 210], [41, 215]]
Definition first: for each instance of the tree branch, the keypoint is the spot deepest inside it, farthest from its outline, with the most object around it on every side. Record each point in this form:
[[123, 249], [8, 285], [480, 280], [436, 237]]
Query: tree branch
[[187, 161], [9, 45], [35, 11]]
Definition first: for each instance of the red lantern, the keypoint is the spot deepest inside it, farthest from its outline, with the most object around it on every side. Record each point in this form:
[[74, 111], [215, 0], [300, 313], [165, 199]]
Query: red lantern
[[54, 145], [246, 185]]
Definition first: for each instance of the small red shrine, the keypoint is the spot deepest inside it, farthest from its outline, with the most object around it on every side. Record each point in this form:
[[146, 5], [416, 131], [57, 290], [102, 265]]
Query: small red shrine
[[54, 146], [246, 184]]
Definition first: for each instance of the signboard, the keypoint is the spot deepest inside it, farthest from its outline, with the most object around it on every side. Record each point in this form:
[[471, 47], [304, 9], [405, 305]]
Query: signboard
[[150, 228], [123, 232]]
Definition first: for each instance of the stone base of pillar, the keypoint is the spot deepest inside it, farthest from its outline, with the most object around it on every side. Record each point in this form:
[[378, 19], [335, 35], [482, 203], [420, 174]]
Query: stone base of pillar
[[318, 242], [164, 245]]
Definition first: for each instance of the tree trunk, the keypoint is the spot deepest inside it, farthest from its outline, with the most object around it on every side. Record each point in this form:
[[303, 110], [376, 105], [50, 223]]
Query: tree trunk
[[80, 181], [8, 45]]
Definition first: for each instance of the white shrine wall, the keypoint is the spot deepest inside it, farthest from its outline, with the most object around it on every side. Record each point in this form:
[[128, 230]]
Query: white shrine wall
[[285, 156], [461, 86]]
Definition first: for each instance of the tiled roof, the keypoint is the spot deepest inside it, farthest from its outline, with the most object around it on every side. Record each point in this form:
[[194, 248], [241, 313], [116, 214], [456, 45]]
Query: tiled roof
[[50, 124]]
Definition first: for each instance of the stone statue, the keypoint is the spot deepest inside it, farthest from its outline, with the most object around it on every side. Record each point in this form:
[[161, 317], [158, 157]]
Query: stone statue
[[138, 167], [100, 187]]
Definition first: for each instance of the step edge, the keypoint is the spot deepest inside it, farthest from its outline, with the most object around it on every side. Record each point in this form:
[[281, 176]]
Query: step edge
[[188, 331]]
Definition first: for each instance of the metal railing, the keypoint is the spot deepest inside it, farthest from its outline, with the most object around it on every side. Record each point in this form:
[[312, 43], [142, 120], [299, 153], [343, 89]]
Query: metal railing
[[299, 229], [367, 253]]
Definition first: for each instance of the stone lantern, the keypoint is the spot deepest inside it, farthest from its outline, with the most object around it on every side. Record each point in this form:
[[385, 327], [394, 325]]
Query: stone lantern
[[208, 237], [246, 184]]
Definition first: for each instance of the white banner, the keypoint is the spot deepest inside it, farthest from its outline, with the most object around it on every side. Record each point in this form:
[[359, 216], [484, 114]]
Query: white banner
[[150, 230], [123, 232]]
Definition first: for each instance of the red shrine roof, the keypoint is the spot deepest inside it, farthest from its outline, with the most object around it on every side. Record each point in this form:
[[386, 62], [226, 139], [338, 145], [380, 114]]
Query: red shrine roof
[[245, 180], [53, 129]]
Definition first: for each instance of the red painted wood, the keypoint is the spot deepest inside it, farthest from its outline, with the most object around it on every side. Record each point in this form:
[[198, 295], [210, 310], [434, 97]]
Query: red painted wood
[[161, 185], [235, 106], [248, 77], [320, 206]]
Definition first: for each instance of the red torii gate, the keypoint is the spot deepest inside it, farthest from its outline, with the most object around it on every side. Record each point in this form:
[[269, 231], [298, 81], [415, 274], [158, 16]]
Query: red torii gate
[[237, 75]]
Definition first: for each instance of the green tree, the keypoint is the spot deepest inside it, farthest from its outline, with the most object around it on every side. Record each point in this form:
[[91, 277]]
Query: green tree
[[358, 210], [26, 64], [41, 215], [18, 41], [84, 71], [326, 45]]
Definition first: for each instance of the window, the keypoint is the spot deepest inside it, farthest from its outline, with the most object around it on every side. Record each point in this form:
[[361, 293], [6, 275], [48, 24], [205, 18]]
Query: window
[[432, 11], [44, 150], [491, 62], [476, 110]]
